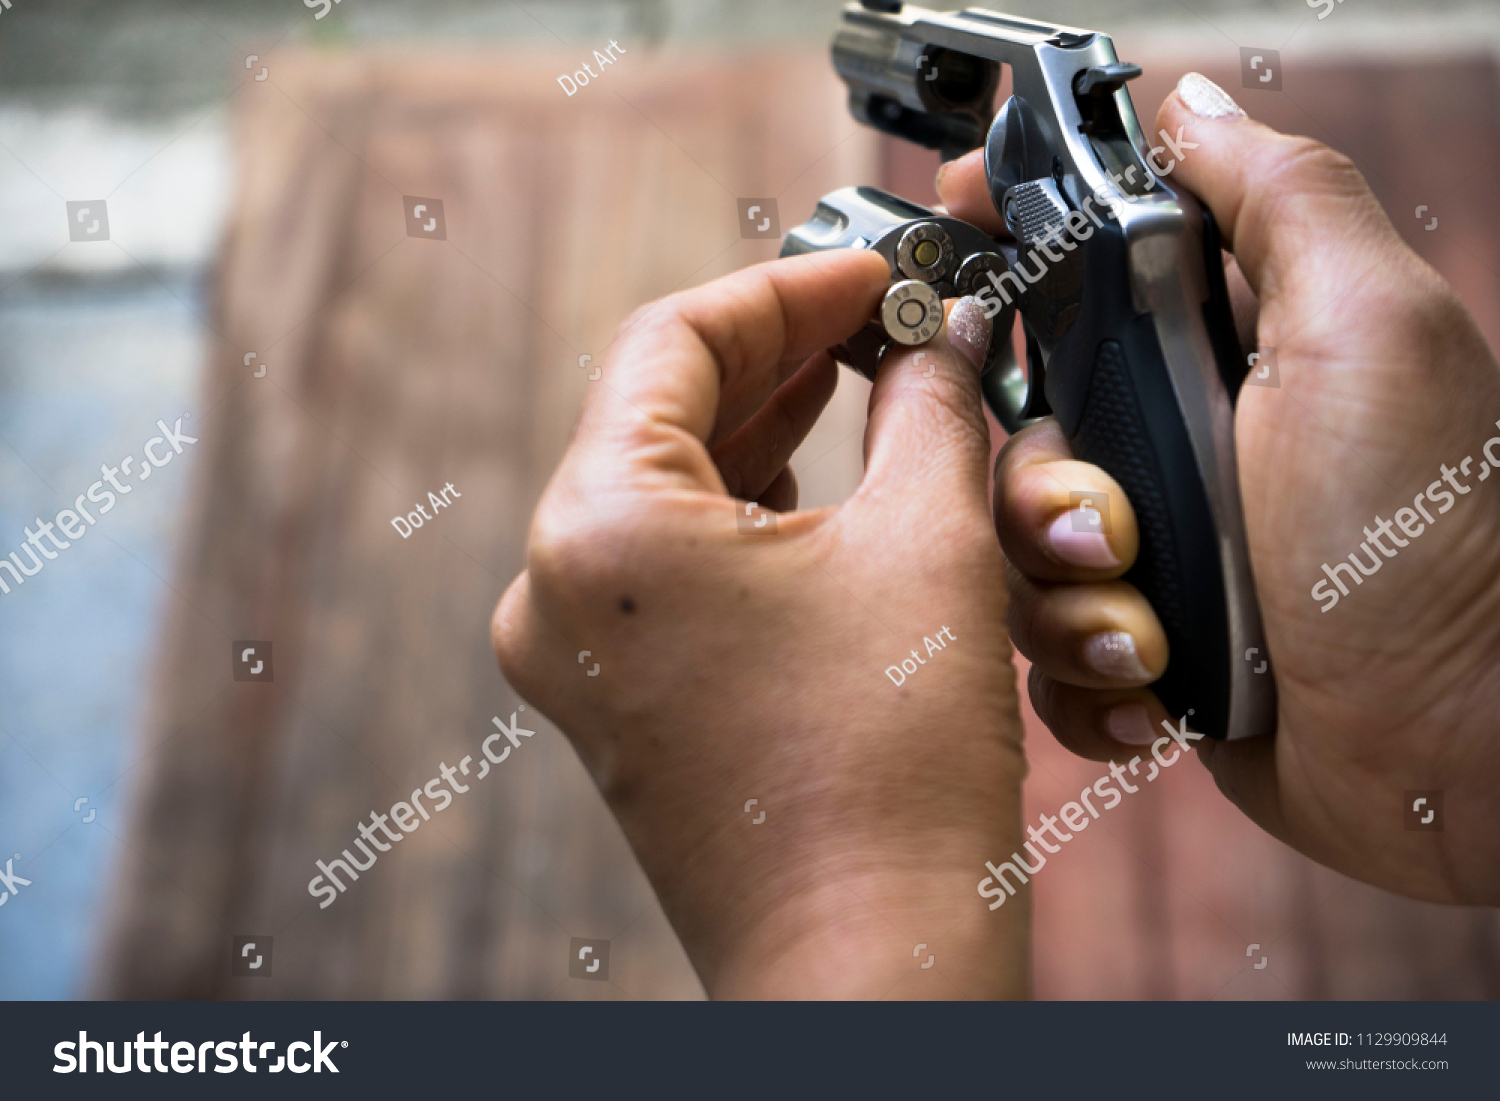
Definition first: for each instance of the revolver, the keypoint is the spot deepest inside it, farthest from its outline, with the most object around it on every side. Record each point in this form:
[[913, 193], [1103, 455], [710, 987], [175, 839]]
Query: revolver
[[1118, 278]]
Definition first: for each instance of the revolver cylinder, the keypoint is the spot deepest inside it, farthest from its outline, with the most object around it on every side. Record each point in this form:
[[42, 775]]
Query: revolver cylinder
[[931, 257]]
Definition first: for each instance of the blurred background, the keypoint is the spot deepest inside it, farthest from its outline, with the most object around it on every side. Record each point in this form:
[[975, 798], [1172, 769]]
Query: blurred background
[[259, 169]]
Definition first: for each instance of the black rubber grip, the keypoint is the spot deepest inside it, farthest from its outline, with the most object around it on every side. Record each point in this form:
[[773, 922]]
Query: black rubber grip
[[1113, 435], [1131, 426]]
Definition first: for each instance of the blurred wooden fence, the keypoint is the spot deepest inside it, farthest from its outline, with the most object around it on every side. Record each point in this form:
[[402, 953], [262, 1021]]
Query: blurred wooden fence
[[397, 364]]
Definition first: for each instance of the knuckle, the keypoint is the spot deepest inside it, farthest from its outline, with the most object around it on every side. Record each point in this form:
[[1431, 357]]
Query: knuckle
[[510, 639], [1425, 318], [647, 319], [1441, 313], [1307, 165], [571, 551], [648, 316], [1303, 174]]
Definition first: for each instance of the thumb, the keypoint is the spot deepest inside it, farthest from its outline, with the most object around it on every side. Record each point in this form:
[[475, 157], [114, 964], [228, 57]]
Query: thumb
[[927, 421], [1297, 215]]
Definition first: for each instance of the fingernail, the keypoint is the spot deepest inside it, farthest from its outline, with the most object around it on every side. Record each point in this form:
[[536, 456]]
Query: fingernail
[[1112, 654], [937, 183], [1206, 99], [1130, 724], [969, 330], [1074, 539]]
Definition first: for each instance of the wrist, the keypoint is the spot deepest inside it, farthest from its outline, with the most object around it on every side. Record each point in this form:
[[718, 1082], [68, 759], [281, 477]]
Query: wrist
[[867, 935]]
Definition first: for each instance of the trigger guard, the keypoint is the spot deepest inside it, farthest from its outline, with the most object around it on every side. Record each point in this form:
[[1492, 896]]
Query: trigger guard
[[1016, 398], [861, 352]]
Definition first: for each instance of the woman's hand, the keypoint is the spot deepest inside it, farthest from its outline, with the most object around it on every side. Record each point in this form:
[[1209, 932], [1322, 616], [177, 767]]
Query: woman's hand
[[743, 653], [1389, 683]]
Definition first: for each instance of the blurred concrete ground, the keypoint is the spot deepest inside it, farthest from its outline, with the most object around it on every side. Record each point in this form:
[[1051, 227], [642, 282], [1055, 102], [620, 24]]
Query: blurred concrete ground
[[134, 102]]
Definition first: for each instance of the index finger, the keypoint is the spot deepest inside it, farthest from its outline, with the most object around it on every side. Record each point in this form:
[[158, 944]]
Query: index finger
[[965, 191], [675, 359]]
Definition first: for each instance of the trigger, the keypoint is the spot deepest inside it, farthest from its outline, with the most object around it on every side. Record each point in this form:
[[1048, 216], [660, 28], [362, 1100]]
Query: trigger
[[1016, 398], [1036, 375]]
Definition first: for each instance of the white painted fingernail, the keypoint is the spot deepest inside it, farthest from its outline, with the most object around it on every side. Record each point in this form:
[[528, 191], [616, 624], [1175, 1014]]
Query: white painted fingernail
[[1074, 539], [1129, 724], [1206, 99], [1112, 654], [969, 330]]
